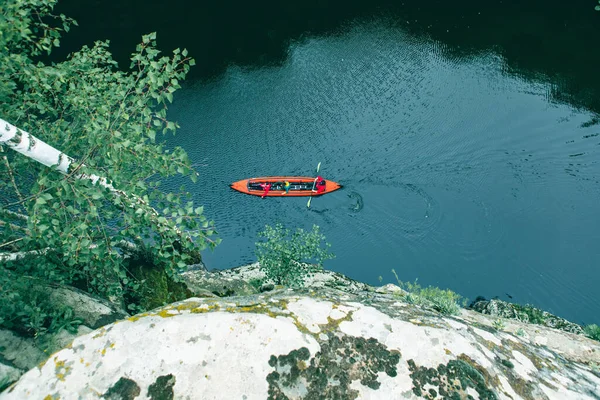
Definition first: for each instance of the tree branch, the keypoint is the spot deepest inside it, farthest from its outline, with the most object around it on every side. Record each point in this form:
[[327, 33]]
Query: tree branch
[[124, 245], [11, 242], [32, 147], [15, 215], [11, 175]]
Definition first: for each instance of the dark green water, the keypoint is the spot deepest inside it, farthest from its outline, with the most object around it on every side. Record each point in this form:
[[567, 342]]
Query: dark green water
[[475, 161]]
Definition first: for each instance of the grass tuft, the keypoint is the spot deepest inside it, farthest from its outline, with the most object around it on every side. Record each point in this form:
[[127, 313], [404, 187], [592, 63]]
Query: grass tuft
[[444, 301]]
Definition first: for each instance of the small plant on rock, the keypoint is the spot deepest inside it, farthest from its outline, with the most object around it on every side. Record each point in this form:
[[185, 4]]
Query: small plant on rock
[[443, 300], [288, 258], [498, 324], [592, 331]]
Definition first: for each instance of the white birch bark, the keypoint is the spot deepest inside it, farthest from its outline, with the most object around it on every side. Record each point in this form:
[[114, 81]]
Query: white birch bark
[[36, 149], [30, 146], [124, 245]]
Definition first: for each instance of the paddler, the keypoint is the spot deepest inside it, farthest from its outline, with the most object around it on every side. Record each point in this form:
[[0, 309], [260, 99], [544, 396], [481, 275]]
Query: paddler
[[319, 184], [286, 187], [266, 186]]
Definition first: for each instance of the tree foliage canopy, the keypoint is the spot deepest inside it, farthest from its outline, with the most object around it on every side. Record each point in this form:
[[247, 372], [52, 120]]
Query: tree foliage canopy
[[108, 120]]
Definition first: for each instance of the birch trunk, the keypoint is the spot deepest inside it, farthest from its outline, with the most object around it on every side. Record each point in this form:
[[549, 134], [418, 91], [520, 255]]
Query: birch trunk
[[36, 149]]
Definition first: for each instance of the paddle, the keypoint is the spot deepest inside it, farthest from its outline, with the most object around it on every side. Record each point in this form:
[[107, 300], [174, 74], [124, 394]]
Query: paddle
[[310, 198]]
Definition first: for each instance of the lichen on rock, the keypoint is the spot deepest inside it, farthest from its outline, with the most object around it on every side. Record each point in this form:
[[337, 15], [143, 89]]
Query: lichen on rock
[[314, 344], [330, 372]]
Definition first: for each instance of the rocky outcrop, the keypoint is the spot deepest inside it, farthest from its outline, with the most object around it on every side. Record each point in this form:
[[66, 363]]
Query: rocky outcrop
[[211, 284], [94, 312], [19, 354], [8, 375], [530, 314], [315, 344], [249, 279], [252, 273]]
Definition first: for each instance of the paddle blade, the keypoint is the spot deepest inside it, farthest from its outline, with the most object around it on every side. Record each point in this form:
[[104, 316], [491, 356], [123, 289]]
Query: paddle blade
[[310, 198]]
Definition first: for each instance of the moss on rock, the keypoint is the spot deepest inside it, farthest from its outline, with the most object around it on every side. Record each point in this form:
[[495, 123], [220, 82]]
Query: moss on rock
[[157, 288]]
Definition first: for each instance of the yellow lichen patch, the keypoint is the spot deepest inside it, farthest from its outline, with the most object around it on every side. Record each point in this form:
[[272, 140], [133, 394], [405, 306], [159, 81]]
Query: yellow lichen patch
[[61, 370], [448, 352], [166, 313], [188, 306], [112, 346], [101, 333], [248, 309], [491, 346], [300, 326], [334, 324], [81, 360], [103, 351], [204, 308], [52, 397]]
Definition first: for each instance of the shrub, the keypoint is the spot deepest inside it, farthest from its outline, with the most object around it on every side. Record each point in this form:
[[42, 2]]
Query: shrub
[[592, 331], [288, 258], [443, 300]]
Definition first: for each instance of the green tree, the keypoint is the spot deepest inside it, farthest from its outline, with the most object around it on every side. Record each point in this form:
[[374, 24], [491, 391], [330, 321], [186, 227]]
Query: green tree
[[288, 258], [101, 125]]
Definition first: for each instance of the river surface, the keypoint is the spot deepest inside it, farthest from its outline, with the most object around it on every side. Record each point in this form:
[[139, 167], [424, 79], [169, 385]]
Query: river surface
[[470, 178], [458, 169]]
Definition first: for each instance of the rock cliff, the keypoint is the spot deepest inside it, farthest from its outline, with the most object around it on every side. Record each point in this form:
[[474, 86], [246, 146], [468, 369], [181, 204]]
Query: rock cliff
[[337, 339]]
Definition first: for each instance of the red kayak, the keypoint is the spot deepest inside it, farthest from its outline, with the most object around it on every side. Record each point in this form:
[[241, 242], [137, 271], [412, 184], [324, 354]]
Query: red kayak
[[299, 186]]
